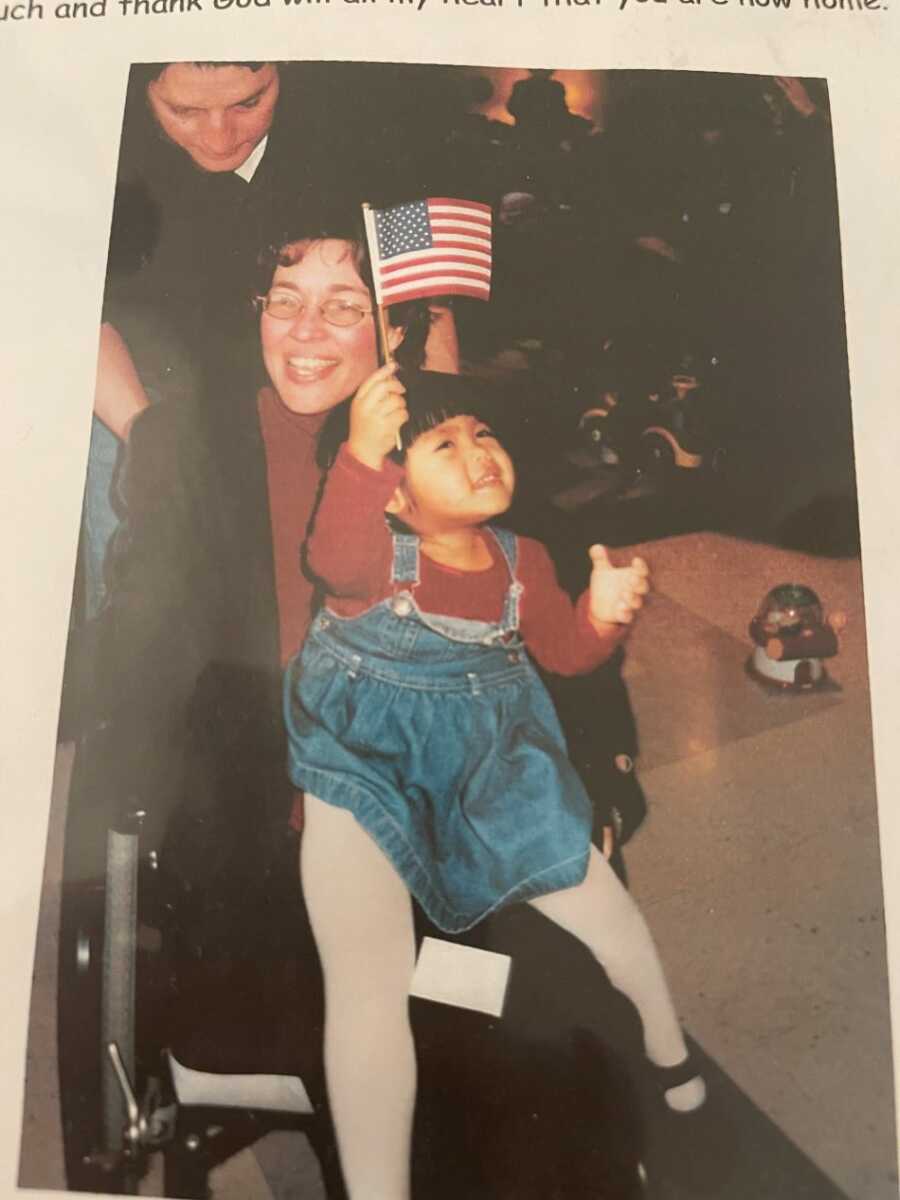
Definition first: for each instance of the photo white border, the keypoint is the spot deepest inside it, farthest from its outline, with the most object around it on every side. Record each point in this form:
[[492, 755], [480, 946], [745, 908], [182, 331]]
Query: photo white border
[[61, 96]]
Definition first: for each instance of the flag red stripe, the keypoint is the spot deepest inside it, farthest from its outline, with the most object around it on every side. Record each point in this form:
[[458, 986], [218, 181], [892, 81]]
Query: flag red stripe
[[477, 245], [429, 272], [441, 216], [451, 262], [472, 259], [445, 220], [442, 277], [396, 295], [446, 228], [475, 205]]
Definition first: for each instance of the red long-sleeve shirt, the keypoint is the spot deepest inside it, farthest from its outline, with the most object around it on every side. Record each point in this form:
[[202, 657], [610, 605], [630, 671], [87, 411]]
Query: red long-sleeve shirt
[[351, 551], [294, 479]]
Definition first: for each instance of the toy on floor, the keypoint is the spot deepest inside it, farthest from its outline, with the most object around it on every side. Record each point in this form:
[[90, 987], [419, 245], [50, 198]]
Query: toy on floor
[[793, 638]]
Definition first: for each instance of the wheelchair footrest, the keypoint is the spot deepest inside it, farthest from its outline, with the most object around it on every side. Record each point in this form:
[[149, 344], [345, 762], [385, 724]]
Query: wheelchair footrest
[[269, 1093]]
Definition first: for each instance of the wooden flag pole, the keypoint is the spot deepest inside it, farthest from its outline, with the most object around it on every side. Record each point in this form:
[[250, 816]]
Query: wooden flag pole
[[384, 344]]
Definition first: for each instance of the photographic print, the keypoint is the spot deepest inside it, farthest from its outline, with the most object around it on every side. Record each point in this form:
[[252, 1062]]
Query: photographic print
[[464, 783]]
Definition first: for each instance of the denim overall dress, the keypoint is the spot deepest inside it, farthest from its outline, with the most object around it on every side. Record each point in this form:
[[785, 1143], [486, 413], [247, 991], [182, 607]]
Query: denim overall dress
[[439, 737]]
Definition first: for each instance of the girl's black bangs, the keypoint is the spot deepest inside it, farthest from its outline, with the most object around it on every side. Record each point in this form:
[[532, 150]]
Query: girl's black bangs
[[431, 399]]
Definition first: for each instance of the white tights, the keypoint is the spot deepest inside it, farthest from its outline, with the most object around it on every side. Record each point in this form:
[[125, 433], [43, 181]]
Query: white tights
[[361, 916]]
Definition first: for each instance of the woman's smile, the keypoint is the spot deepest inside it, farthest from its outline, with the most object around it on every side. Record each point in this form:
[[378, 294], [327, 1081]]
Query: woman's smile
[[307, 369]]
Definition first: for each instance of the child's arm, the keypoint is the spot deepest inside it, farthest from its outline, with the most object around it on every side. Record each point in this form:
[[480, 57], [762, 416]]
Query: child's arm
[[573, 639], [349, 547]]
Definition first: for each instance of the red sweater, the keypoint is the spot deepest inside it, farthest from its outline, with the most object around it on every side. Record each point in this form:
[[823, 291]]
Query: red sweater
[[351, 551], [294, 479]]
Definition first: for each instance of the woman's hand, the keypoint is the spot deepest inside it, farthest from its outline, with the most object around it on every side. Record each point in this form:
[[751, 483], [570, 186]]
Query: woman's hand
[[616, 593], [796, 94], [658, 245], [119, 395], [377, 413]]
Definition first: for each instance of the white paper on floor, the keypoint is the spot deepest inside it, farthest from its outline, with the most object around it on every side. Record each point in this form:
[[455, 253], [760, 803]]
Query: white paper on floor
[[461, 975]]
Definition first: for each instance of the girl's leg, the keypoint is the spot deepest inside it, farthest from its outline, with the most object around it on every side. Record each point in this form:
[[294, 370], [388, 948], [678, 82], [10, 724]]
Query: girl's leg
[[361, 918], [604, 917]]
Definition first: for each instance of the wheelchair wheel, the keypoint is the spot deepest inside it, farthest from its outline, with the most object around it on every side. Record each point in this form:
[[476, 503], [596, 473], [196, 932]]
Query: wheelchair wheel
[[95, 1002], [93, 1121], [657, 456], [119, 962]]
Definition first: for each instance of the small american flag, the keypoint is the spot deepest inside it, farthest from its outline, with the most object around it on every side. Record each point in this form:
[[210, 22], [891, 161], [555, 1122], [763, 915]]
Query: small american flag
[[434, 247]]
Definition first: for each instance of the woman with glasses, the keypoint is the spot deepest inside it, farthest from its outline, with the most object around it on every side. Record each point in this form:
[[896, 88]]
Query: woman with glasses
[[207, 601], [207, 598], [318, 337]]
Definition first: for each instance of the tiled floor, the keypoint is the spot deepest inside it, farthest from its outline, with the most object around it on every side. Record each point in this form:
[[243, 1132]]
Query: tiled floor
[[758, 869]]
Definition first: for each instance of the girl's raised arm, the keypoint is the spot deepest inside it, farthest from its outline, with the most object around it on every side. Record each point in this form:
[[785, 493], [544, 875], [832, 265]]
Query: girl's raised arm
[[350, 547]]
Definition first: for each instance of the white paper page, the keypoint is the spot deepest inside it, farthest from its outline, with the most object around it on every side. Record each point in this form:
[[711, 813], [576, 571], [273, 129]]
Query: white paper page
[[61, 93]]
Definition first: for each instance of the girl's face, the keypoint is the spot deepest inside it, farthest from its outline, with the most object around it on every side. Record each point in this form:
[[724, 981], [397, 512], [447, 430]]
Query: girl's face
[[457, 475], [314, 365]]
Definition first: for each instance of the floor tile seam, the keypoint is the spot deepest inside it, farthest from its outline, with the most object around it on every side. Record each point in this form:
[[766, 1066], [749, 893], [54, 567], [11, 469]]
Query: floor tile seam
[[701, 612], [647, 771], [772, 1102]]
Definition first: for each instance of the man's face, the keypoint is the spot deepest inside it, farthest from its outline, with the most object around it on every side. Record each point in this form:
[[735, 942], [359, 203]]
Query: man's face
[[217, 115]]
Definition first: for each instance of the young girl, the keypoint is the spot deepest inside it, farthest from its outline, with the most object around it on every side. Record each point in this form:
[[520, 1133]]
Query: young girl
[[429, 751]]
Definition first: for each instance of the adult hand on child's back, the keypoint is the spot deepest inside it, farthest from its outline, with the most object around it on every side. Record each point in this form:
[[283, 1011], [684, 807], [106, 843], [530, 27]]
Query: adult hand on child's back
[[609, 842], [616, 593], [377, 413], [795, 93]]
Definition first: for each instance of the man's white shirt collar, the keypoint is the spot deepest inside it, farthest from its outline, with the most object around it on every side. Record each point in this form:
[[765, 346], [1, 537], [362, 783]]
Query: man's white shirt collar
[[247, 169]]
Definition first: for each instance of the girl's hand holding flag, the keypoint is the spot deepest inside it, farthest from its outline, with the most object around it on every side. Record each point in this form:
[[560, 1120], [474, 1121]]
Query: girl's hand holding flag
[[377, 415]]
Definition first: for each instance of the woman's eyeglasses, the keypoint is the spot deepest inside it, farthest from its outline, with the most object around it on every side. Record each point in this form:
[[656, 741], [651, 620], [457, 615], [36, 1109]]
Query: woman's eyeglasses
[[288, 306]]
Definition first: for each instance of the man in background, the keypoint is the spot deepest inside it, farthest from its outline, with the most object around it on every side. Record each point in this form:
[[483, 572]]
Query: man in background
[[210, 153]]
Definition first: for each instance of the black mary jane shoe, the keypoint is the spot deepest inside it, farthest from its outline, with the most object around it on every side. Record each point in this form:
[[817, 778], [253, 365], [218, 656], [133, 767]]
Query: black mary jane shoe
[[695, 1149], [667, 1078]]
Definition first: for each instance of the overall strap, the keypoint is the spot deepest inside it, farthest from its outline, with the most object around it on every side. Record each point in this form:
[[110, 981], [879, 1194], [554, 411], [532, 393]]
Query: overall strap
[[508, 545], [405, 567], [509, 622]]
